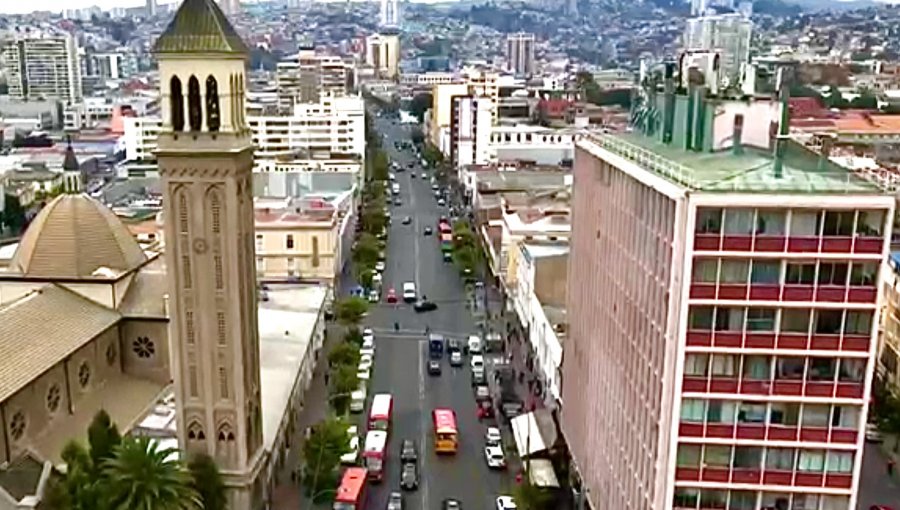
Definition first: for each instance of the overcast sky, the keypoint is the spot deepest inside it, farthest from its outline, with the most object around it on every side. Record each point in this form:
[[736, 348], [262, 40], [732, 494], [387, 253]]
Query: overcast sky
[[18, 6]]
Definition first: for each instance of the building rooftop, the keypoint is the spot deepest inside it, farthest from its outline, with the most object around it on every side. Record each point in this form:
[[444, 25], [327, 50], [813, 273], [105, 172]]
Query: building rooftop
[[199, 26], [725, 171]]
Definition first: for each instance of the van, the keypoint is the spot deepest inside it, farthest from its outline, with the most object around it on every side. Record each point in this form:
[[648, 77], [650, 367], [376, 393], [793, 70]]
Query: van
[[409, 292]]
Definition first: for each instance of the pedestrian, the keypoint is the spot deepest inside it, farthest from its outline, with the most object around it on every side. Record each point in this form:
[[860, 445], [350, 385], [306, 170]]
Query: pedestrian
[[890, 467], [326, 378]]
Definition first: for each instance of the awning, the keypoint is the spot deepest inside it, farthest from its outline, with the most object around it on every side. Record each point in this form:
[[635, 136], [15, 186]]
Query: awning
[[534, 432], [541, 473]]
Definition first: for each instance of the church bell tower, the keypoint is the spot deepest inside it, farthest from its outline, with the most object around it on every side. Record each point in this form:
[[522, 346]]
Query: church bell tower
[[205, 159]]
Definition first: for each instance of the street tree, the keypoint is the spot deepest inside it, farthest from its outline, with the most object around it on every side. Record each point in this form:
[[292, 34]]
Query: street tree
[[364, 275], [344, 381], [142, 475], [466, 258], [349, 311], [207, 482], [379, 165], [419, 105], [366, 250], [322, 457], [13, 214], [354, 336], [344, 354]]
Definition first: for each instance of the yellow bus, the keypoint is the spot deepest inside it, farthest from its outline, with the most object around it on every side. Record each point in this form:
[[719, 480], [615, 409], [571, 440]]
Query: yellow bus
[[446, 435]]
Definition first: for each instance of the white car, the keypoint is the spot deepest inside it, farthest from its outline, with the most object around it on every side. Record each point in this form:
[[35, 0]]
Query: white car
[[424, 175], [368, 334], [366, 361], [379, 266], [492, 437], [367, 349], [494, 457], [373, 296], [474, 344], [364, 375], [352, 456], [506, 503], [873, 435], [477, 362]]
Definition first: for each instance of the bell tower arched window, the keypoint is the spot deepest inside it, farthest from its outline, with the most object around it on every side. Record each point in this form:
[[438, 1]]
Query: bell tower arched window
[[176, 102], [213, 117], [195, 111]]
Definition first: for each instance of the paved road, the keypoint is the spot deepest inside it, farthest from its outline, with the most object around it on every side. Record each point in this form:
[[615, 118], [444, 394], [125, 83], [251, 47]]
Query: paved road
[[875, 487], [400, 359]]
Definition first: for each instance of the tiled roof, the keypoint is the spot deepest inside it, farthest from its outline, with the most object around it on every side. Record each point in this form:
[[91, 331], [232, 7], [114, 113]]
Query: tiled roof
[[43, 328], [199, 26]]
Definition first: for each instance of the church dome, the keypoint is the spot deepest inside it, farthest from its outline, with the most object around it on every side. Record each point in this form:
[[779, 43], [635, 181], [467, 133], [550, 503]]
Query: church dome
[[74, 236]]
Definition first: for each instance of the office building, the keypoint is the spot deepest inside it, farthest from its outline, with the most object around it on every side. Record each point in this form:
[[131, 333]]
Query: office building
[[727, 35], [725, 314], [520, 53], [470, 130], [43, 66], [311, 76], [383, 54], [390, 13]]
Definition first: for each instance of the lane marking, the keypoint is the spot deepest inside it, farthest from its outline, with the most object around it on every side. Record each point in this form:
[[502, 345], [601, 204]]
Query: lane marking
[[412, 204], [423, 414]]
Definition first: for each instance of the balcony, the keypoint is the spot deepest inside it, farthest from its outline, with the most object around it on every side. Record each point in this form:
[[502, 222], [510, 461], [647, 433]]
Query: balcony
[[778, 387], [859, 244], [754, 476], [778, 340], [767, 432], [785, 292]]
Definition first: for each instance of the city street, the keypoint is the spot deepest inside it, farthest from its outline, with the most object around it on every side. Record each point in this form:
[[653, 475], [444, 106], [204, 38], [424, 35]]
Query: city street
[[400, 360]]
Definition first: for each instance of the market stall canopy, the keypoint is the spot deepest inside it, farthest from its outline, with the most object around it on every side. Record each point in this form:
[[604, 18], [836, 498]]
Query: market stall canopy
[[534, 432]]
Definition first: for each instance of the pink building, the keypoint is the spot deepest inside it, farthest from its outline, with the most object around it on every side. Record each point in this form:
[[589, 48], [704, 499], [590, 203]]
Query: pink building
[[724, 319]]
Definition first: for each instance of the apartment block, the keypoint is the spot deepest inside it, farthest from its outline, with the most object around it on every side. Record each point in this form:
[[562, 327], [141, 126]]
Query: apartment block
[[725, 315], [470, 130], [520, 53], [43, 67], [310, 77], [383, 54], [725, 35], [889, 342]]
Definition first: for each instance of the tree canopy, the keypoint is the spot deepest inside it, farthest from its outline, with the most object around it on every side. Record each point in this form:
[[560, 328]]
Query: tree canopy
[[207, 482], [322, 457], [350, 310], [420, 104]]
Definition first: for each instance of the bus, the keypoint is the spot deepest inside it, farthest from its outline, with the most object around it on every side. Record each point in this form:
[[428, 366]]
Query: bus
[[351, 493], [446, 242], [446, 435], [380, 414], [374, 452]]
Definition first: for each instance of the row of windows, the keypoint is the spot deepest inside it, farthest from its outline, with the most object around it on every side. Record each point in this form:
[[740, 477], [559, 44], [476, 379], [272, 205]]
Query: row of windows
[[756, 457], [787, 414], [763, 368], [772, 272], [794, 222], [687, 498], [784, 320]]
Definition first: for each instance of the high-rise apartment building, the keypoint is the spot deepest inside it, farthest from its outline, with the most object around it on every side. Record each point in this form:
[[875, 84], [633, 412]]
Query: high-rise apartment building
[[43, 66], [390, 13], [311, 76], [383, 53], [725, 315], [520, 53], [471, 125], [726, 34]]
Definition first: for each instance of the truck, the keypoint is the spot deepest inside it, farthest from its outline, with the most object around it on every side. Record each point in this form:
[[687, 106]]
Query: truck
[[435, 345], [507, 400]]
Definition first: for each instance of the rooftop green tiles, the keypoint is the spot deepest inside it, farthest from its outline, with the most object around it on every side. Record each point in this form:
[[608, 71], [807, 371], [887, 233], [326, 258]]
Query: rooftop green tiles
[[199, 26]]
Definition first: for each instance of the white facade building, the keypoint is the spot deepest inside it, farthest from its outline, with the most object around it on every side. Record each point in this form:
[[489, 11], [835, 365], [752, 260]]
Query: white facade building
[[383, 54], [471, 126], [725, 34], [520, 53], [43, 66], [390, 13], [544, 146]]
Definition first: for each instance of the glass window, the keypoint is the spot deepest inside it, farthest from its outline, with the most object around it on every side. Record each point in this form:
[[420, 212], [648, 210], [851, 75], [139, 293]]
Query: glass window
[[712, 499], [815, 415], [859, 322], [765, 271], [689, 455], [781, 459], [700, 318], [800, 273], [852, 370], [720, 411], [833, 273], [795, 320], [784, 413], [686, 497], [838, 223], [770, 222], [776, 501], [870, 223], [749, 412], [761, 319], [717, 456], [789, 367], [693, 410], [734, 271], [729, 319], [845, 417], [696, 365], [748, 457], [863, 273], [742, 500], [739, 221], [822, 369], [811, 461], [709, 221], [828, 322], [835, 502], [705, 270], [724, 365], [758, 368], [805, 222], [805, 502], [289, 242]]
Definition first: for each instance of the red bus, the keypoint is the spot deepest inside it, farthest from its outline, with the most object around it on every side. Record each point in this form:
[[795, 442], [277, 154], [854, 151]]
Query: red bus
[[444, 227], [446, 435], [374, 451], [351, 493], [381, 411]]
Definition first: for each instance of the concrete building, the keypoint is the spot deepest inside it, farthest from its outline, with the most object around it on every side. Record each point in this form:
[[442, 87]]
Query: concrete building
[[43, 66], [389, 13], [151, 8], [725, 315], [470, 130], [442, 111], [525, 142], [383, 54], [725, 35], [310, 77], [230, 7], [520, 53], [889, 341]]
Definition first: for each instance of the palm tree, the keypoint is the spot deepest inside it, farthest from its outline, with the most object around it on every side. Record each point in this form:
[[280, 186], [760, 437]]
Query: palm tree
[[141, 476]]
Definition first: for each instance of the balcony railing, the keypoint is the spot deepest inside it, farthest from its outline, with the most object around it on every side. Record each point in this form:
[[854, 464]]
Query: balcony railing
[[764, 476], [779, 340], [785, 292], [792, 244], [777, 387]]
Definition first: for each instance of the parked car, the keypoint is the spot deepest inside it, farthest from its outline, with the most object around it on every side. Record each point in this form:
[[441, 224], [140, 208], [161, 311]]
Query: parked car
[[873, 435], [352, 457], [368, 334], [379, 266], [409, 477], [494, 457], [395, 501], [398, 202], [477, 362], [424, 175], [451, 504], [434, 367], [442, 202], [492, 436], [373, 296], [366, 361], [456, 359], [391, 296], [424, 306], [506, 503], [408, 452]]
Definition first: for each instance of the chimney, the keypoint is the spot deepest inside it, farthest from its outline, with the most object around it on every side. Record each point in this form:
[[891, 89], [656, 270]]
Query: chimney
[[669, 104], [781, 138], [825, 155], [737, 145]]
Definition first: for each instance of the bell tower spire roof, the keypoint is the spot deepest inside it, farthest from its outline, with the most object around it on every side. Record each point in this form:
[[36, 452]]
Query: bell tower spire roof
[[199, 26]]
